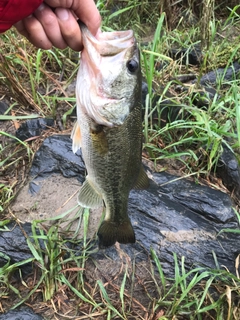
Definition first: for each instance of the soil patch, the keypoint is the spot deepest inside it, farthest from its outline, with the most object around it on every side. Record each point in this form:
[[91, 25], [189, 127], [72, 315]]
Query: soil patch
[[56, 197]]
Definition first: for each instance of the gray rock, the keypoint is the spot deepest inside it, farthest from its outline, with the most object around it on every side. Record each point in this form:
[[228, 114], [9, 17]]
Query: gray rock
[[226, 74], [20, 314], [229, 171], [33, 127], [185, 218], [14, 245], [55, 156]]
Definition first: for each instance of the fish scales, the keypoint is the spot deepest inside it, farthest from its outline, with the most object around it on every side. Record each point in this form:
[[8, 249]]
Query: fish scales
[[111, 143]]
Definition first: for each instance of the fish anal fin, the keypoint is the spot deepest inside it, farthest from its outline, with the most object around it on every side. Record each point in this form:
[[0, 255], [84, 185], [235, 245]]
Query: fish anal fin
[[110, 232], [76, 137], [142, 181], [88, 196]]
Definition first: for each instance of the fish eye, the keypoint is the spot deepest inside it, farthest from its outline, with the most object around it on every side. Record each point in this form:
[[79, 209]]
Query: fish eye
[[132, 65]]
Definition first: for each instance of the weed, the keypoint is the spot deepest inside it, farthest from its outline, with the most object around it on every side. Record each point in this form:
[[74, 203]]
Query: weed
[[196, 136], [188, 293], [6, 272]]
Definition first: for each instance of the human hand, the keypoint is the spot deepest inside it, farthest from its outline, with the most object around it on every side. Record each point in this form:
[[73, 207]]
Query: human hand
[[54, 23]]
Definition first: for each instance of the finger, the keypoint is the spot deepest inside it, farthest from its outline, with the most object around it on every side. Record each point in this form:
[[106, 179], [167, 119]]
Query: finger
[[88, 13], [85, 10], [34, 32], [50, 24], [21, 28], [69, 28]]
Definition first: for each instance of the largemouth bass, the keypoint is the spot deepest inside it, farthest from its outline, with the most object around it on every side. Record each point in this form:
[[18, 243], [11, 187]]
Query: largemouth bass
[[109, 129]]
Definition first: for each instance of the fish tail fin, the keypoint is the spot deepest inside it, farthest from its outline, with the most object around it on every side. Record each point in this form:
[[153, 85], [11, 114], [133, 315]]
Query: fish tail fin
[[110, 232]]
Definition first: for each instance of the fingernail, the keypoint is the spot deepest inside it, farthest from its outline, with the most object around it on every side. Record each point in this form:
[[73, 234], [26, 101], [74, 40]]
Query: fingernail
[[41, 7], [62, 14]]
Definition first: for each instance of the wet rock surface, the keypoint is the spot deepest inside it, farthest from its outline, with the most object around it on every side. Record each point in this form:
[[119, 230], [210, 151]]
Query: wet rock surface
[[33, 128], [182, 217], [3, 107], [56, 156], [229, 171], [13, 244], [212, 77], [21, 314]]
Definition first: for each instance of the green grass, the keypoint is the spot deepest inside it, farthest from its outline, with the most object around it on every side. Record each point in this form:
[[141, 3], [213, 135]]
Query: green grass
[[188, 293], [36, 81], [198, 135]]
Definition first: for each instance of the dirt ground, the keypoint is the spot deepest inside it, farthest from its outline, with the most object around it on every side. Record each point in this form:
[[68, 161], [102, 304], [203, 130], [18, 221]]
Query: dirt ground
[[56, 197]]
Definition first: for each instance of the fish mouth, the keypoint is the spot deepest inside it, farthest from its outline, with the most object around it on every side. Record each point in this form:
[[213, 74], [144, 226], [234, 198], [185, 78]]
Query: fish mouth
[[110, 48], [106, 43]]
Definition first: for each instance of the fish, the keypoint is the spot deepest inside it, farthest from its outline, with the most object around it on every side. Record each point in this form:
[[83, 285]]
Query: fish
[[109, 129]]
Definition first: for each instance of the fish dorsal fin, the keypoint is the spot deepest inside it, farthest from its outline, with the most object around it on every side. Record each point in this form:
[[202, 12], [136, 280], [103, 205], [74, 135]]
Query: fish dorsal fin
[[88, 197], [142, 181], [76, 137]]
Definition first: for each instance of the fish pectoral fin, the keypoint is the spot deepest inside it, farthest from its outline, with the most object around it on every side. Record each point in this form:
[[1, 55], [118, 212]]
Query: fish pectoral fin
[[88, 197], [99, 140], [76, 137], [110, 232], [142, 181]]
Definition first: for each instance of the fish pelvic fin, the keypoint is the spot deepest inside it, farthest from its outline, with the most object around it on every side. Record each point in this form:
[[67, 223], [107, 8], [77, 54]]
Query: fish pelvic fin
[[76, 137], [88, 196], [142, 181], [110, 232]]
